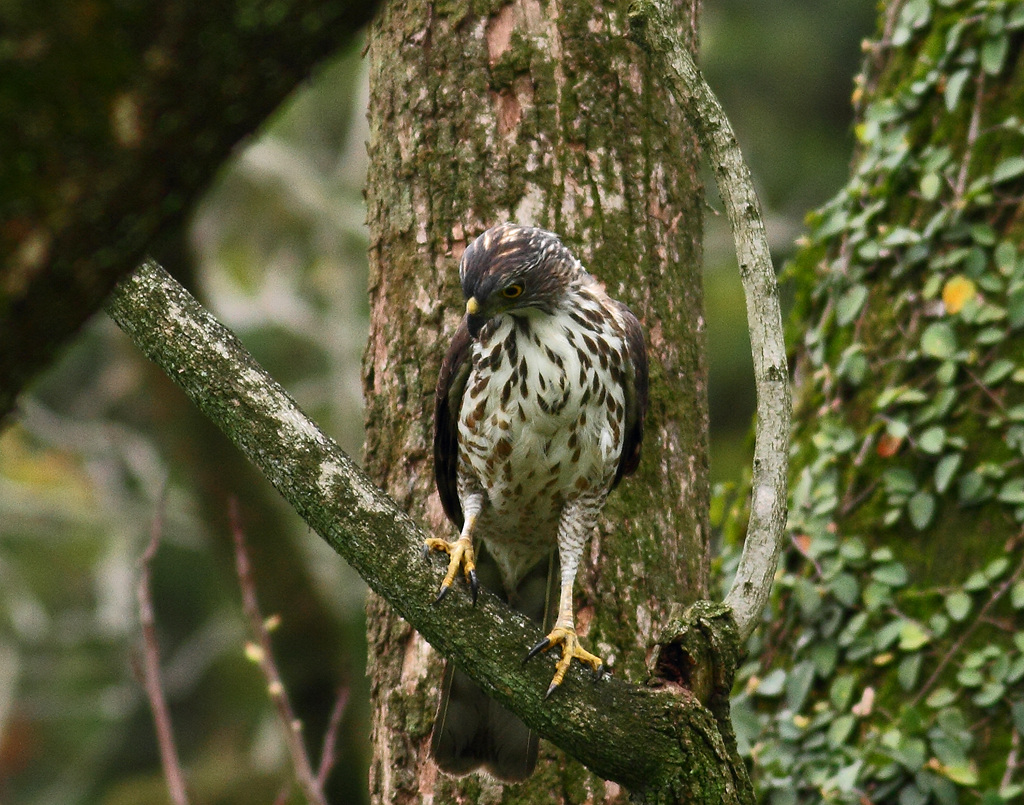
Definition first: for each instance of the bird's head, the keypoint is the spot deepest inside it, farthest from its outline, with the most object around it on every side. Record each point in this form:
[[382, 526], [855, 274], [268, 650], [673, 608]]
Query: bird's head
[[517, 270]]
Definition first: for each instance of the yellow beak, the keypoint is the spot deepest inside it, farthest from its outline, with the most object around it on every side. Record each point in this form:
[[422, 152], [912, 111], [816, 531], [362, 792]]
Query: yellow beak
[[472, 306]]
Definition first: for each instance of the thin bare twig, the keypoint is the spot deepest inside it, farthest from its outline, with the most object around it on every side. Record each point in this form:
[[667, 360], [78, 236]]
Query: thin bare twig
[[151, 667], [328, 755], [261, 652]]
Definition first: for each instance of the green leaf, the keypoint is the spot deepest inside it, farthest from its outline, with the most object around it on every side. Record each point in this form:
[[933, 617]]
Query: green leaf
[[970, 677], [1005, 257], [902, 236], [961, 774], [954, 86], [850, 303], [989, 694], [912, 636], [1015, 309], [932, 439], [839, 730], [958, 605], [921, 508], [898, 428], [824, 656], [1009, 168], [841, 690], [998, 371], [938, 341], [845, 589], [899, 481], [798, 684], [945, 470], [888, 635], [931, 186], [977, 259], [1015, 673], [996, 568], [892, 574], [853, 549], [910, 794], [876, 595], [772, 684], [911, 753], [993, 53], [846, 778], [909, 670], [1012, 491], [939, 698], [975, 582], [973, 489], [1017, 595]]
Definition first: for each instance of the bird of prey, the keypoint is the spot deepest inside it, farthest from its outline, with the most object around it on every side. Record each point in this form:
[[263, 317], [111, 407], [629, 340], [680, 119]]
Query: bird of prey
[[539, 413]]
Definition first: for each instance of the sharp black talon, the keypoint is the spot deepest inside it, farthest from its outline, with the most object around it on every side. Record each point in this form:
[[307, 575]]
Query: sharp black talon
[[600, 673], [543, 644], [551, 690], [441, 595], [426, 552], [474, 585]]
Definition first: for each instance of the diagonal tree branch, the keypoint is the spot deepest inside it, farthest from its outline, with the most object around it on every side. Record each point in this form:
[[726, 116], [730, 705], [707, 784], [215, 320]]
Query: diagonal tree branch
[[756, 571], [650, 740]]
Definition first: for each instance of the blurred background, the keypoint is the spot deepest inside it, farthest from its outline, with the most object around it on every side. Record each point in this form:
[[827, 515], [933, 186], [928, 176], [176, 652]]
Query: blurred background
[[104, 443]]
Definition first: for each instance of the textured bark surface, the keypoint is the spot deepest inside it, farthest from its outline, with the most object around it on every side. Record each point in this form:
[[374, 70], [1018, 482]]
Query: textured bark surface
[[113, 118], [545, 115]]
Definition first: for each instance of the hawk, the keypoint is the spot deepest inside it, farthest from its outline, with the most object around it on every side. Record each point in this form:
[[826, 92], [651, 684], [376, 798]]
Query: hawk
[[539, 413]]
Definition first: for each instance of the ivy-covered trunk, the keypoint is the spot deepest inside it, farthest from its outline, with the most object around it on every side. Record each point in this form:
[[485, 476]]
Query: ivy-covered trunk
[[893, 667], [544, 114]]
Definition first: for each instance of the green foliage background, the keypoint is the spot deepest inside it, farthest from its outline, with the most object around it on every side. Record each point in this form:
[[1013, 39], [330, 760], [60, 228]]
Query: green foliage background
[[277, 251], [891, 667]]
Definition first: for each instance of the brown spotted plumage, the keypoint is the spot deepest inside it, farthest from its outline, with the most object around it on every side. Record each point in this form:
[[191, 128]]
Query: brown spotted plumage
[[539, 414]]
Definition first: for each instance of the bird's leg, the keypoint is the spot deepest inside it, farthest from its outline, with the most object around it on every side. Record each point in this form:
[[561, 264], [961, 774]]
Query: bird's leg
[[572, 532], [460, 552]]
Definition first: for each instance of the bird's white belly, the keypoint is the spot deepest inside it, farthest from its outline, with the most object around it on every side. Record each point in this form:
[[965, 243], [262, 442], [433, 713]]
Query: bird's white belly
[[537, 434]]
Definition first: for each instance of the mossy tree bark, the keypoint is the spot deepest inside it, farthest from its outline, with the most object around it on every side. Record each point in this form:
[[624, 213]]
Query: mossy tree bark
[[904, 581], [543, 114]]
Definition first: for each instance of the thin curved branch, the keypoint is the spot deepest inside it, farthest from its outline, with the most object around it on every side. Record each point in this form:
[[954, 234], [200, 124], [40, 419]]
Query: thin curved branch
[[643, 738], [753, 582]]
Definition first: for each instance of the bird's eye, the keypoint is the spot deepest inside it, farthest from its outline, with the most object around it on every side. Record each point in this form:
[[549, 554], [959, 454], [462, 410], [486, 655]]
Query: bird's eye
[[512, 291]]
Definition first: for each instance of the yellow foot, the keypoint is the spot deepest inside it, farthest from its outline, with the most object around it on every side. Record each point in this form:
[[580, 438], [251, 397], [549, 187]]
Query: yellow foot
[[566, 636], [461, 557]]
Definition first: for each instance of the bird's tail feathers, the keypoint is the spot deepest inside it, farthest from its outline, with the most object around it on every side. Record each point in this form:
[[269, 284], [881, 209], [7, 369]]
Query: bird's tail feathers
[[472, 730]]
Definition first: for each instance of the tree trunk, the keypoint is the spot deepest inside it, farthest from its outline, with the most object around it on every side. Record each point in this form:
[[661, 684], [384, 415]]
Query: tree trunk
[[899, 645], [544, 115]]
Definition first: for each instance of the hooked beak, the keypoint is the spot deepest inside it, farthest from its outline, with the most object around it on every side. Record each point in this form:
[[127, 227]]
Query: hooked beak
[[474, 320]]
